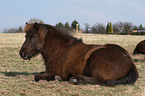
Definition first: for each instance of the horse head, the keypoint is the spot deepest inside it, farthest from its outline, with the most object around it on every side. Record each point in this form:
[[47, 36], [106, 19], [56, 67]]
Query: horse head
[[34, 41]]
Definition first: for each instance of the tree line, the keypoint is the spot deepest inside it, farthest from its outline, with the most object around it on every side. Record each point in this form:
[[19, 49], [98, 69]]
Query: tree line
[[99, 28], [20, 29], [13, 30], [60, 25], [118, 27]]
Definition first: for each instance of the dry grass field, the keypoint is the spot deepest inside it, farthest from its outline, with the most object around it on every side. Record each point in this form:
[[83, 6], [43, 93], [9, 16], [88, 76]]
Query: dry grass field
[[17, 75]]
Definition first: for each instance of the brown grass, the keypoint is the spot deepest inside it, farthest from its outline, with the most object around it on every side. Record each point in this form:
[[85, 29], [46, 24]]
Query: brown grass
[[17, 75]]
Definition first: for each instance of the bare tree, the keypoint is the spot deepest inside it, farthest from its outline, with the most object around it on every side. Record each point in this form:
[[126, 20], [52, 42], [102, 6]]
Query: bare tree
[[117, 27], [33, 20], [120, 27], [98, 28], [127, 26], [87, 27]]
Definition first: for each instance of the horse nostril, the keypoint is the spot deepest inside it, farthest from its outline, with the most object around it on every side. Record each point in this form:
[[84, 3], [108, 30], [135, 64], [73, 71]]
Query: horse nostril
[[23, 54]]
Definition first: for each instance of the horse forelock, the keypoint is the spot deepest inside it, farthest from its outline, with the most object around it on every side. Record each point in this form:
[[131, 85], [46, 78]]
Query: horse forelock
[[28, 27]]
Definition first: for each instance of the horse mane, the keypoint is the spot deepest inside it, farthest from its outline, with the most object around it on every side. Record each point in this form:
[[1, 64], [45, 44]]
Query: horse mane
[[62, 34]]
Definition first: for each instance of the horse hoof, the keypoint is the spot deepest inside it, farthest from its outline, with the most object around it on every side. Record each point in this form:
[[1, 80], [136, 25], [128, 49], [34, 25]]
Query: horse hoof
[[36, 78], [42, 72], [73, 81], [110, 83], [58, 78]]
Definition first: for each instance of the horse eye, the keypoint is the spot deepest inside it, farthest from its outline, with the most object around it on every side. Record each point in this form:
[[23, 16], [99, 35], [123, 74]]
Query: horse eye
[[35, 36]]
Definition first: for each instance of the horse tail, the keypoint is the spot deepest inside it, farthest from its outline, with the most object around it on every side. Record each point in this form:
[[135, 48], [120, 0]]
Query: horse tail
[[130, 78]]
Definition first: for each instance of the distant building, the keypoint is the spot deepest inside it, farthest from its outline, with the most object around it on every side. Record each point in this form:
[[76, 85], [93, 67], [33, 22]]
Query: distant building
[[132, 31], [137, 32]]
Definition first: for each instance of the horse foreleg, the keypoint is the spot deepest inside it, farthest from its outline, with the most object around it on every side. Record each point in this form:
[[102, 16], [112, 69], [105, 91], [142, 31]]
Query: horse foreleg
[[44, 76]]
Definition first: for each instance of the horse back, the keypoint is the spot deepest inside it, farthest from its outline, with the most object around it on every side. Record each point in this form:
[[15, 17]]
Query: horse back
[[140, 48]]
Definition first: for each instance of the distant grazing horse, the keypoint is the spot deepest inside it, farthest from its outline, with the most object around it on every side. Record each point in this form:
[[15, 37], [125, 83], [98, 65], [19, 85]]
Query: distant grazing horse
[[140, 48], [69, 59]]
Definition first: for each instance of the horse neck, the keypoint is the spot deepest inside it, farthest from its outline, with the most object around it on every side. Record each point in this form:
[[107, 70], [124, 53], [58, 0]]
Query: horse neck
[[54, 43]]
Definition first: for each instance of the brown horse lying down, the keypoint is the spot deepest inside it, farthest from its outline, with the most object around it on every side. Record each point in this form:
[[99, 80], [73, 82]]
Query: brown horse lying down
[[70, 59], [140, 48]]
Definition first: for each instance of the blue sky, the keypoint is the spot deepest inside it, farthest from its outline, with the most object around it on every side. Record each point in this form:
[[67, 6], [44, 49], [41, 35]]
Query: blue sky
[[14, 13]]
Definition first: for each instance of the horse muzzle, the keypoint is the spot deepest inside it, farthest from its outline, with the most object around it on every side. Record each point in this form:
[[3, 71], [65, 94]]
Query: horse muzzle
[[24, 55]]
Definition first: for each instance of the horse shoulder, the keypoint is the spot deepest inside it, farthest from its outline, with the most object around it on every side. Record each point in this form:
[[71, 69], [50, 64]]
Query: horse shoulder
[[73, 63]]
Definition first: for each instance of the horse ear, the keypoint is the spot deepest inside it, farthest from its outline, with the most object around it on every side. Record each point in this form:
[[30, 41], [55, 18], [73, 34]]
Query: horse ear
[[26, 23], [36, 25]]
